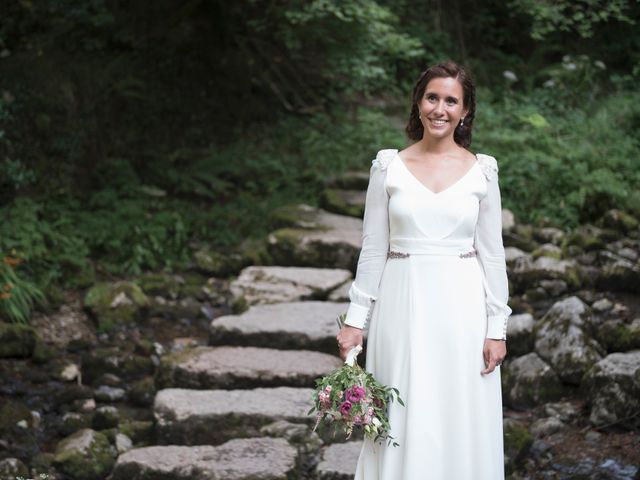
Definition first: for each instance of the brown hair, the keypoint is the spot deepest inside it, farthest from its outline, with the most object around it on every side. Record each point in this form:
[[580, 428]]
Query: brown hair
[[462, 134]]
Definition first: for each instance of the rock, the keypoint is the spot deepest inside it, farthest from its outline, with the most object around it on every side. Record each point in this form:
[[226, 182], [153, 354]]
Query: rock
[[620, 275], [218, 264], [520, 334], [16, 340], [612, 387], [244, 367], [528, 381], [115, 303], [521, 236], [526, 272], [602, 305], [508, 220], [264, 285], [212, 417], [549, 235], [517, 441], [543, 427], [554, 288], [240, 459], [344, 202], [586, 237], [513, 253], [297, 434], [176, 309], [547, 250], [562, 341], [141, 392], [114, 360], [297, 325], [163, 284], [565, 411], [104, 393], [10, 468], [106, 417], [68, 327], [341, 294], [141, 432], [73, 421], [316, 239], [84, 455], [70, 372], [339, 461], [123, 443], [616, 335], [618, 220]]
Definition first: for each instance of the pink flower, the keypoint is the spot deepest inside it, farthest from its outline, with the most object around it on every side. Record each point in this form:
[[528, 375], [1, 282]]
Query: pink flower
[[345, 408], [367, 419], [355, 394], [340, 393], [357, 419], [328, 388], [370, 411]]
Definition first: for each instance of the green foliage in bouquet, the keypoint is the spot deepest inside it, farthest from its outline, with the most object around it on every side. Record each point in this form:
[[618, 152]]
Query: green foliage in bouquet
[[351, 397]]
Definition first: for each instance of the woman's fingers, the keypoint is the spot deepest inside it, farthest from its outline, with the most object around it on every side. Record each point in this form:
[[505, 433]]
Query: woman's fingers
[[490, 367]]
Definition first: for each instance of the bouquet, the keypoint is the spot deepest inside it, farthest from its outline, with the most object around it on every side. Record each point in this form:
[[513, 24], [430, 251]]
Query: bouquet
[[352, 398]]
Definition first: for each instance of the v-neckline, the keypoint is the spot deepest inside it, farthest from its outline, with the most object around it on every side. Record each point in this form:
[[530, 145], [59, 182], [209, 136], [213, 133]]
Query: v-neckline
[[459, 180]]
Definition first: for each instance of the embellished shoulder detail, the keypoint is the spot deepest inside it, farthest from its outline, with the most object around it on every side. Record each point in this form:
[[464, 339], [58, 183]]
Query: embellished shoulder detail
[[489, 166], [384, 158]]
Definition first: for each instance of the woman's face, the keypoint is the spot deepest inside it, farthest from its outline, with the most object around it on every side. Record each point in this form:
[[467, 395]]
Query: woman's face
[[441, 107]]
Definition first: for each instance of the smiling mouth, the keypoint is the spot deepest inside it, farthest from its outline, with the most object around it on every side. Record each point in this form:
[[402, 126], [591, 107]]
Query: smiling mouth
[[438, 123]]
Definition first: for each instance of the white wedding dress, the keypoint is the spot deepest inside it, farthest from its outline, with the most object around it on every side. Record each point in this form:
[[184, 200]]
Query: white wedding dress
[[431, 285]]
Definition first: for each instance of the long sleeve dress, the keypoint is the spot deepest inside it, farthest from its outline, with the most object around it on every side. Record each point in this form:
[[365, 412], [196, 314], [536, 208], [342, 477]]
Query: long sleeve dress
[[430, 286]]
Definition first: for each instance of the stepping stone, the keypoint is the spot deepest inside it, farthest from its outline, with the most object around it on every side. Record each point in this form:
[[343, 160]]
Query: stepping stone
[[344, 202], [312, 237], [244, 367], [239, 459], [339, 461], [211, 417], [260, 285], [295, 325]]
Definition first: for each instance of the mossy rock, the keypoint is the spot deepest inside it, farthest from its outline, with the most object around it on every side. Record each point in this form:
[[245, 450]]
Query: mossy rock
[[618, 220], [618, 336], [17, 340], [295, 216], [517, 441], [142, 392], [12, 412], [163, 284], [115, 303], [141, 432], [344, 202], [586, 237], [10, 468], [218, 264], [85, 455]]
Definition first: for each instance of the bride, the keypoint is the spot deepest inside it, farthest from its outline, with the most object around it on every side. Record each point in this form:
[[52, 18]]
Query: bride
[[431, 287]]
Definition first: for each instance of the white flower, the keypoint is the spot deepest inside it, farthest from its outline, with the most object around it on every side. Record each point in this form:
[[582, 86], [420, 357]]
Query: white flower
[[570, 66], [509, 75], [549, 84], [600, 64]]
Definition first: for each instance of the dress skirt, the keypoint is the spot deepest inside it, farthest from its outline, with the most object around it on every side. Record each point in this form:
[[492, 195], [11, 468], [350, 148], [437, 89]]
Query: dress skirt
[[426, 336]]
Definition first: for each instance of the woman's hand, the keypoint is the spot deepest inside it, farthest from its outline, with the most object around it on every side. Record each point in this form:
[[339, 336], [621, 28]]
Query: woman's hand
[[348, 338], [493, 352]]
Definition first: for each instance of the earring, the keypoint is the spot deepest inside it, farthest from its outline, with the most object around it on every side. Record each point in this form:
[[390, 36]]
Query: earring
[[462, 122]]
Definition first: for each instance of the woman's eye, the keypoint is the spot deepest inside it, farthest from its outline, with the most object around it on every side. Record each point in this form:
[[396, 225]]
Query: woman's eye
[[451, 101]]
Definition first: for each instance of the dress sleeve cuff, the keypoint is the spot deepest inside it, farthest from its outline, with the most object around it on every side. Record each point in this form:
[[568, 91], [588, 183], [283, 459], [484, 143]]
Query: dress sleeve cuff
[[497, 327], [357, 315]]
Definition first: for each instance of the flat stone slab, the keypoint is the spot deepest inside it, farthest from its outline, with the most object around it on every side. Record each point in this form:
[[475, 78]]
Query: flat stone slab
[[259, 285], [244, 367], [295, 325], [339, 461], [239, 459], [211, 417], [312, 237]]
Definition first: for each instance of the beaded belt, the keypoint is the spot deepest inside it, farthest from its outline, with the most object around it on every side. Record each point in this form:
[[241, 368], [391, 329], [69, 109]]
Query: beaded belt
[[400, 247]]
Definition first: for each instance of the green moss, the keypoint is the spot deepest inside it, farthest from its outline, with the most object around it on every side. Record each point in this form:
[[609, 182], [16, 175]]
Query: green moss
[[140, 432], [100, 300], [16, 340], [84, 462]]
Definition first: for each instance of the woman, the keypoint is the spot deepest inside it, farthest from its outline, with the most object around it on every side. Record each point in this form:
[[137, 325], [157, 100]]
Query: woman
[[431, 283]]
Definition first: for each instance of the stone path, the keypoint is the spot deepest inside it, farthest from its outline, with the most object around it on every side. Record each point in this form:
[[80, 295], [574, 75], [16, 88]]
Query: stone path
[[238, 408]]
